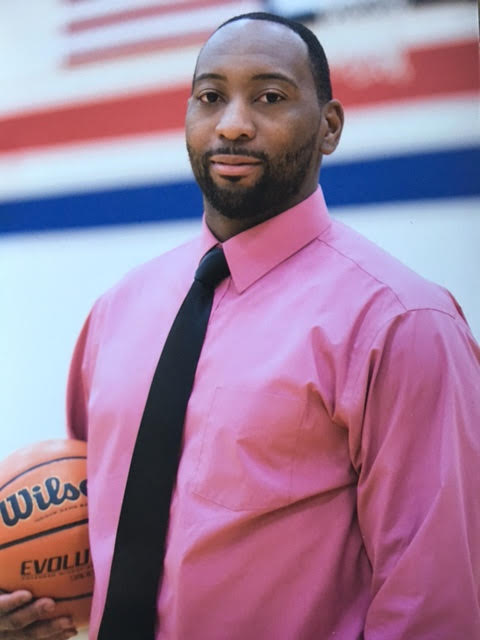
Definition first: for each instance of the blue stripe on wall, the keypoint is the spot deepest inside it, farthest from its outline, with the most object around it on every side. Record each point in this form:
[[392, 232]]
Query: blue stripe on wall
[[445, 174]]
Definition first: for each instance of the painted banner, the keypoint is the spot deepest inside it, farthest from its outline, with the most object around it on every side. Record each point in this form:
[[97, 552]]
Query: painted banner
[[91, 121]]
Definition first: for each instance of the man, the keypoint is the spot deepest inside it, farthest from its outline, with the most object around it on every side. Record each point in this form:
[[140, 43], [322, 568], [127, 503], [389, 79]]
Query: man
[[327, 486]]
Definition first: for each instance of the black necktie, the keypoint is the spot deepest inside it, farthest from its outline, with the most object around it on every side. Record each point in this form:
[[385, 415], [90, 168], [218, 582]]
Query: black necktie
[[130, 608]]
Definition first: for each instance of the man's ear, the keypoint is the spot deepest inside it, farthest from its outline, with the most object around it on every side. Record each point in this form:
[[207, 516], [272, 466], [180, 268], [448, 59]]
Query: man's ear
[[332, 123]]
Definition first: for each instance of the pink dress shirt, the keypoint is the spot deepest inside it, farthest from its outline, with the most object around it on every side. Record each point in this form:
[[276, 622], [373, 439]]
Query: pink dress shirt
[[328, 486]]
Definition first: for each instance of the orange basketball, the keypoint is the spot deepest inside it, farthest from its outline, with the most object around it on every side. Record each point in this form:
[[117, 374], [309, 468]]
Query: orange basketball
[[44, 544]]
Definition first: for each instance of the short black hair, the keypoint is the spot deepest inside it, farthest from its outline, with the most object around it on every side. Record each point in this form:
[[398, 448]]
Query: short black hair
[[316, 54]]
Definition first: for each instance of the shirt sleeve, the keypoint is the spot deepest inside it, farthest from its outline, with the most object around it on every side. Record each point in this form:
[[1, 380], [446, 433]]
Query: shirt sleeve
[[77, 388], [418, 463]]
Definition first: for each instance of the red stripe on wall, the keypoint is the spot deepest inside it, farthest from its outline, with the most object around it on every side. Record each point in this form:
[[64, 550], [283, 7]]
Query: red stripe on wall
[[129, 115], [136, 48], [443, 70], [142, 12]]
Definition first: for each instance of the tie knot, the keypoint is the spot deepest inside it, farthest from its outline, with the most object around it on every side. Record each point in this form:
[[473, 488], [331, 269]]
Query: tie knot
[[213, 268]]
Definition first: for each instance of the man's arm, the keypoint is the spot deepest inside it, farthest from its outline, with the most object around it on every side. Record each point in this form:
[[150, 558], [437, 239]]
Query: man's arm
[[418, 457]]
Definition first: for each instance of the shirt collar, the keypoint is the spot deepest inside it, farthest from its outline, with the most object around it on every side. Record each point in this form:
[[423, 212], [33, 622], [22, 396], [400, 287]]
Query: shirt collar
[[256, 251]]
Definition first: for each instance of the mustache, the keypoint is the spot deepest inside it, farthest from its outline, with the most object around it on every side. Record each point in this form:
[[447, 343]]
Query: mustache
[[235, 151]]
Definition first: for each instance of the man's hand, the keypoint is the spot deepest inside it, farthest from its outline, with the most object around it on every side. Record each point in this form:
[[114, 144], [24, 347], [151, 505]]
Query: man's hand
[[22, 618]]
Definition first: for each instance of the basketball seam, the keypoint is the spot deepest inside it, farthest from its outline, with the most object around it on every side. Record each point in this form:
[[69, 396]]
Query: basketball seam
[[42, 464], [47, 532], [82, 595]]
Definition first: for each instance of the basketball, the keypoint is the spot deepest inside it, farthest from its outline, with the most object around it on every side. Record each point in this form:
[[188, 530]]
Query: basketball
[[44, 544]]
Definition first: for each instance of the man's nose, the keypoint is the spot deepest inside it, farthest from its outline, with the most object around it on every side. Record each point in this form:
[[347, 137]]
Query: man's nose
[[236, 121]]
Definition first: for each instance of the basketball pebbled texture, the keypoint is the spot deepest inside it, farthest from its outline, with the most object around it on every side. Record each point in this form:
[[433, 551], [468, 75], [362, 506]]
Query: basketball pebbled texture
[[44, 545]]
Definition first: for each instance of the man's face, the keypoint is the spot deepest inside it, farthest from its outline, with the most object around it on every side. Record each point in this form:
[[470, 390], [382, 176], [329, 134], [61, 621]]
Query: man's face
[[253, 121]]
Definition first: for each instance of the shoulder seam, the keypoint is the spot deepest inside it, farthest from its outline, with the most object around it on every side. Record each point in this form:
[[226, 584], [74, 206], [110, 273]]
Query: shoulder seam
[[370, 275]]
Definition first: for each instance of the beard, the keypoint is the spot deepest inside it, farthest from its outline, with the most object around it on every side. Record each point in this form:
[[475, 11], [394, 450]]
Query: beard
[[282, 179]]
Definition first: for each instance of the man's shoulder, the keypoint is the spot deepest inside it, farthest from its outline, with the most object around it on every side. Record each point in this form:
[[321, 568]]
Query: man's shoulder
[[172, 265], [368, 267]]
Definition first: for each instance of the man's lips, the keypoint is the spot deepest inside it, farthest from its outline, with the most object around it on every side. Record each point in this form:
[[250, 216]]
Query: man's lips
[[234, 165], [231, 158]]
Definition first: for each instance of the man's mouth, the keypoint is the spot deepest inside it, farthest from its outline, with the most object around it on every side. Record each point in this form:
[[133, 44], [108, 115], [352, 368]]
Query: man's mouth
[[234, 165]]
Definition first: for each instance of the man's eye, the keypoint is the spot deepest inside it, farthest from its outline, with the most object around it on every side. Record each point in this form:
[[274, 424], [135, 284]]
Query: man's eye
[[209, 97], [271, 97]]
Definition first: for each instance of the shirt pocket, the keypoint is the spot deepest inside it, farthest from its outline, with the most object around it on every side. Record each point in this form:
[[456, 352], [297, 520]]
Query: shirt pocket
[[249, 449]]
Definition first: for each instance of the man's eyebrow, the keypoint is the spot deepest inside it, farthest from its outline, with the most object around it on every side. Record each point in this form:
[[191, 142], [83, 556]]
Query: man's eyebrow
[[275, 76], [208, 76]]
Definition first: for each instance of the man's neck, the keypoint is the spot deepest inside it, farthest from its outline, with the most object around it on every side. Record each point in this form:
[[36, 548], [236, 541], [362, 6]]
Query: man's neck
[[224, 228]]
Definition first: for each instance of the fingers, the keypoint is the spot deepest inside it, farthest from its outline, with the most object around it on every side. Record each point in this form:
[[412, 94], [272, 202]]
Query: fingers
[[37, 633], [33, 634], [11, 601], [24, 619], [17, 610]]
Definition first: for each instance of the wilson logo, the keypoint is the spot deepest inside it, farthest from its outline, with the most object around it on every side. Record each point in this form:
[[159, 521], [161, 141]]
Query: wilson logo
[[53, 492]]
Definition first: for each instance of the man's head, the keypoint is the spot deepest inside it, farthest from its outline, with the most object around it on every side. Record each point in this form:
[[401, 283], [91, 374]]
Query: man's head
[[260, 118], [316, 54]]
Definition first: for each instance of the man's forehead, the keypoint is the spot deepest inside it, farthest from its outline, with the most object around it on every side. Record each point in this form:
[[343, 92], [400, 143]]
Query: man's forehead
[[253, 40]]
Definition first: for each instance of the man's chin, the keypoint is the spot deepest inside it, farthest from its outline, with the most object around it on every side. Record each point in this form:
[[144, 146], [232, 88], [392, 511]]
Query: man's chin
[[238, 208], [234, 199], [235, 184]]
